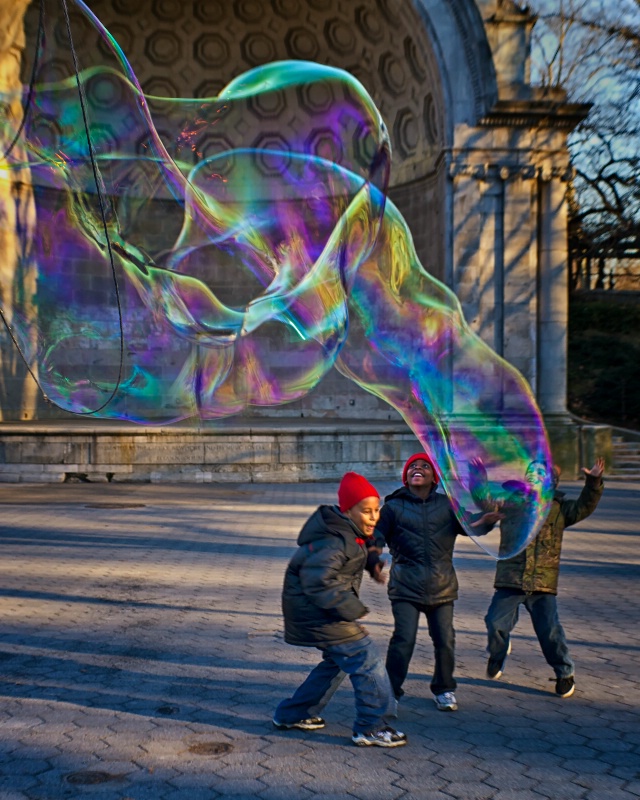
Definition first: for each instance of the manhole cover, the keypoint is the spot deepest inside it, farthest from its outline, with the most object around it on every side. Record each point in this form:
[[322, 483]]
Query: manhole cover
[[115, 505], [168, 710], [90, 777], [210, 748]]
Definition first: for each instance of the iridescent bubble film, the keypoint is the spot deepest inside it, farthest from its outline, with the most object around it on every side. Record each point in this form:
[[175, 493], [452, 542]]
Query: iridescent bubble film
[[182, 276]]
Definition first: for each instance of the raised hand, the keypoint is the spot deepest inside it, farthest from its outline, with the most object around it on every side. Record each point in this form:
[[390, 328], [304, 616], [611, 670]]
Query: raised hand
[[478, 469], [490, 518], [596, 470]]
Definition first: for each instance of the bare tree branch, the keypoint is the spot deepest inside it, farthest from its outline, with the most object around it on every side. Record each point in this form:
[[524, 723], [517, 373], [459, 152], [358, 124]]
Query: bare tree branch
[[591, 48]]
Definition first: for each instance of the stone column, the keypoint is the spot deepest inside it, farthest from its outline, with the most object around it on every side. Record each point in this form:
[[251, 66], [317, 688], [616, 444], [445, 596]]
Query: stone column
[[490, 323], [495, 258], [519, 236], [553, 303]]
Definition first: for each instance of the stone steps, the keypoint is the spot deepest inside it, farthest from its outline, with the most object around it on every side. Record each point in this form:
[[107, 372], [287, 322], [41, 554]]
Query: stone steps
[[625, 457]]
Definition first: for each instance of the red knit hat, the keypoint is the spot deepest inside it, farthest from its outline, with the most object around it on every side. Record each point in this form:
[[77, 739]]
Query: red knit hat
[[354, 488], [417, 457]]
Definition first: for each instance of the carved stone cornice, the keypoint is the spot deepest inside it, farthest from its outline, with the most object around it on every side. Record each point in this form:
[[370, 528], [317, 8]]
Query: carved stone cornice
[[505, 172], [535, 114]]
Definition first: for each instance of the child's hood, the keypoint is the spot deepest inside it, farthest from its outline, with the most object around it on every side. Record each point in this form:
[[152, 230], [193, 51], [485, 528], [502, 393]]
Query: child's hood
[[327, 521]]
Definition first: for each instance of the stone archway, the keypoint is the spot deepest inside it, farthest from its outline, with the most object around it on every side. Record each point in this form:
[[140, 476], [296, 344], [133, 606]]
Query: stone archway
[[480, 157], [184, 50], [507, 172]]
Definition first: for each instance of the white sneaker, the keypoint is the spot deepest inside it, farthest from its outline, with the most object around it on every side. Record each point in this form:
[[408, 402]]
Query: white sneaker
[[446, 701], [387, 737]]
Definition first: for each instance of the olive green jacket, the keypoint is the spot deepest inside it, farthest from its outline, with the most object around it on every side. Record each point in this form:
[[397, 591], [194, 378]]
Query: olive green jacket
[[536, 568]]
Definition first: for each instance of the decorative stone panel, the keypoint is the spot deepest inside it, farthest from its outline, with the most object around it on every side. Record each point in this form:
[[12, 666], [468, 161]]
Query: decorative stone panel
[[210, 12], [340, 36], [325, 144], [163, 47], [257, 48], [272, 164], [287, 9], [316, 98], [302, 44], [248, 10], [168, 10], [392, 74], [406, 132], [211, 50], [430, 119], [268, 106], [370, 24]]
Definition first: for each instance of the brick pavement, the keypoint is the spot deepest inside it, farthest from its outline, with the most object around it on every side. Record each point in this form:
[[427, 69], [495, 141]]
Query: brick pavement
[[141, 656]]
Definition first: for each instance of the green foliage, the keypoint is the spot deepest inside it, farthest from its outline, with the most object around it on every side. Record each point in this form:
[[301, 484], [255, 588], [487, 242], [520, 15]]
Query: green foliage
[[604, 362]]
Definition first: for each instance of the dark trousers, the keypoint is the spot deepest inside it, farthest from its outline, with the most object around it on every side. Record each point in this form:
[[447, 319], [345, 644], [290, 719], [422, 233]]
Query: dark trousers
[[403, 642], [375, 704], [502, 617]]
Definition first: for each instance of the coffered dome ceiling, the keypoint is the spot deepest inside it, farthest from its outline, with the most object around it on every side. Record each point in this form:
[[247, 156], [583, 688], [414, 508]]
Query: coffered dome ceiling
[[180, 49]]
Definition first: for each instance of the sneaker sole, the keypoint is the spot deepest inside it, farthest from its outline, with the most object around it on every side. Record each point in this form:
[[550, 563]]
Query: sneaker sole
[[380, 744], [282, 726], [567, 694], [446, 708]]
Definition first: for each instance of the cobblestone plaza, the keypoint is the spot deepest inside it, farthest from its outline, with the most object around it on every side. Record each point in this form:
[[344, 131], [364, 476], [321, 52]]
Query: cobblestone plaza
[[141, 656]]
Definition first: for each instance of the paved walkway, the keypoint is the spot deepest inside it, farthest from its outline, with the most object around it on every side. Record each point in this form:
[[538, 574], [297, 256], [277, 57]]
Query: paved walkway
[[141, 656]]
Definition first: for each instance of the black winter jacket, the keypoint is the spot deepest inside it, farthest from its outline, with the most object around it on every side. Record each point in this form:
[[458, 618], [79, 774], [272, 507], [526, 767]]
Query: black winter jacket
[[421, 535], [320, 599]]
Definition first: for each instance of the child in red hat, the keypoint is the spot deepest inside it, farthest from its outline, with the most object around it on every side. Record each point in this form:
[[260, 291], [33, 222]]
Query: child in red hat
[[322, 609], [419, 527]]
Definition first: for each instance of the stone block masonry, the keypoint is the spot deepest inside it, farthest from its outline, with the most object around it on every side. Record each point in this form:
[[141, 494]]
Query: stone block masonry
[[257, 452]]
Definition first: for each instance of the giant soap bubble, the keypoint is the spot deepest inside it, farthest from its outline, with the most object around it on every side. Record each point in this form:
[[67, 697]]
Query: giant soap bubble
[[207, 278]]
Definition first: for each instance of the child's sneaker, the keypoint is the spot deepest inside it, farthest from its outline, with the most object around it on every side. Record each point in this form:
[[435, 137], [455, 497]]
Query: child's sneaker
[[387, 737], [310, 724], [495, 666], [446, 701], [565, 687]]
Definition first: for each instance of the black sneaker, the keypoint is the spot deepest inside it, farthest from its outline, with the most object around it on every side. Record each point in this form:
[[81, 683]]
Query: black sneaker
[[310, 724], [495, 667], [387, 737], [565, 687]]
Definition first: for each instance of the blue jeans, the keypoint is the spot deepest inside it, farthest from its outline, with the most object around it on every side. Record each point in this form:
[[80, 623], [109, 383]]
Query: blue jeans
[[502, 617], [440, 621], [360, 660]]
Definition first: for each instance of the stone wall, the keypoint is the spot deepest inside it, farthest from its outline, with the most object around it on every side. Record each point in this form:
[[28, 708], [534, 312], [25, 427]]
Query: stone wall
[[480, 158], [252, 453]]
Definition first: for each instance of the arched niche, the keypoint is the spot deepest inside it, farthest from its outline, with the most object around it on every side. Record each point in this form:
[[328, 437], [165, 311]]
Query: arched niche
[[179, 49], [478, 161]]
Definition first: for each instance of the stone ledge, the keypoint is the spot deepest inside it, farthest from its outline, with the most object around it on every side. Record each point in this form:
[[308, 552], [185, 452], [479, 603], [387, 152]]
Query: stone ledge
[[279, 453]]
